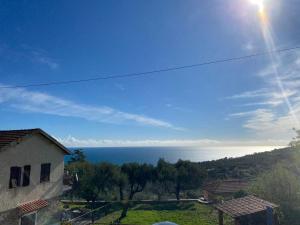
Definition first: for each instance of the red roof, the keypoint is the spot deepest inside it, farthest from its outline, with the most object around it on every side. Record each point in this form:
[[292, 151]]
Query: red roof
[[244, 206], [32, 206], [8, 137]]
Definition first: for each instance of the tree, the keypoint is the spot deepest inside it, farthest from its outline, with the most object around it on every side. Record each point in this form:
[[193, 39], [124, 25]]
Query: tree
[[76, 171], [77, 156], [164, 178], [105, 177], [86, 183], [280, 186], [92, 181], [120, 180], [296, 140], [138, 176], [188, 176]]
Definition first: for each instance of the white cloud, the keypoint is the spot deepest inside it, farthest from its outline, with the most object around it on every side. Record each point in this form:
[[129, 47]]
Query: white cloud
[[250, 94], [29, 101], [71, 141], [276, 109], [267, 96]]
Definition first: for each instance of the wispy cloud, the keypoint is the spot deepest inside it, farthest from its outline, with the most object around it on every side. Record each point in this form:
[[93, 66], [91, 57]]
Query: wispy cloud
[[270, 115], [38, 102], [26, 53], [268, 123], [250, 94], [40, 56]]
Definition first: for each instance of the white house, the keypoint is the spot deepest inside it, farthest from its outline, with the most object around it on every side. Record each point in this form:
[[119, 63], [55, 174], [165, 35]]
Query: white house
[[31, 176]]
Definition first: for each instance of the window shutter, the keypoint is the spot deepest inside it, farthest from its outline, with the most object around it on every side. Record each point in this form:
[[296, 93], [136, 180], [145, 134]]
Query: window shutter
[[45, 172], [26, 175], [15, 177]]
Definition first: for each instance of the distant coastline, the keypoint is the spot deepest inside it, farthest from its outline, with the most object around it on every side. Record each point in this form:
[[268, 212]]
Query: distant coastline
[[119, 155]]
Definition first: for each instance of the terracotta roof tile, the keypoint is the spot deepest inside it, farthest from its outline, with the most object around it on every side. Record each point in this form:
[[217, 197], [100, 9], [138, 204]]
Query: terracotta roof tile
[[32, 206], [244, 206]]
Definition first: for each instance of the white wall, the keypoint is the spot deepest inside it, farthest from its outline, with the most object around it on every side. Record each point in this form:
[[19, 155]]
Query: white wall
[[33, 151]]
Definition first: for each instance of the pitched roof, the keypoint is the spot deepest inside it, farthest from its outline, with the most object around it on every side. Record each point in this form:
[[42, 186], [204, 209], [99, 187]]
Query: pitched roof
[[7, 137], [32, 206], [244, 206], [226, 186]]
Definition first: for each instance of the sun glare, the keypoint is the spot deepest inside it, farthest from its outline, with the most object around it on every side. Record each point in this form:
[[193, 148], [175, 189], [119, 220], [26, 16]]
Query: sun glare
[[260, 5]]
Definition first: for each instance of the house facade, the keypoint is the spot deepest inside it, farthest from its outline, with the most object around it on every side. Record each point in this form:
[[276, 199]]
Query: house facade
[[31, 176]]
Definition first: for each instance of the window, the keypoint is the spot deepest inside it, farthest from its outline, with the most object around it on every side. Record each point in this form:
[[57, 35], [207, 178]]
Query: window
[[26, 175], [29, 219], [45, 172], [15, 177]]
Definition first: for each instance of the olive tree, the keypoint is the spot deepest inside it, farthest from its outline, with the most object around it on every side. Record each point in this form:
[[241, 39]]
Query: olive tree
[[188, 176]]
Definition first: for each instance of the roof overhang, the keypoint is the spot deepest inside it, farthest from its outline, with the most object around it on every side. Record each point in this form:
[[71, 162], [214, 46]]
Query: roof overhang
[[20, 135], [32, 206], [58, 144], [244, 206]]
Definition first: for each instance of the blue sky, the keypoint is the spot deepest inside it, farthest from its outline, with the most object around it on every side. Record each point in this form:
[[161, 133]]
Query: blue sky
[[236, 103]]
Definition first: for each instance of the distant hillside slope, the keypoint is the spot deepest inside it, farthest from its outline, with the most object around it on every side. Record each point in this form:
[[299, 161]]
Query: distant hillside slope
[[249, 166]]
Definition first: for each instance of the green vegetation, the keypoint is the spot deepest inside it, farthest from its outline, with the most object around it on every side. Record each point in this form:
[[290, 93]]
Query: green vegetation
[[281, 185], [180, 213], [275, 176], [251, 166]]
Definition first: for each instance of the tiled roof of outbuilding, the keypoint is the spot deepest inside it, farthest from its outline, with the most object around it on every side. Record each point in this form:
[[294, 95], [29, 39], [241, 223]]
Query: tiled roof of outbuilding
[[244, 206]]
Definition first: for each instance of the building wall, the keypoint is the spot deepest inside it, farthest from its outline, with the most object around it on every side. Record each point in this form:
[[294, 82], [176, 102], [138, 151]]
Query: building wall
[[33, 151], [10, 217]]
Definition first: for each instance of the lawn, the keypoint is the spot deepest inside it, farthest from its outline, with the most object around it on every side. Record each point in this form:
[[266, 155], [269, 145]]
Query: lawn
[[181, 213]]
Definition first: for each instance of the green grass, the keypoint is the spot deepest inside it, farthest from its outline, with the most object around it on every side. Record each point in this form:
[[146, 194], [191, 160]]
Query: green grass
[[180, 213]]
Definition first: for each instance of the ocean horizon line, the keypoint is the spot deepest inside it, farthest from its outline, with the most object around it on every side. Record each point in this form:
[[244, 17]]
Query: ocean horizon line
[[120, 155]]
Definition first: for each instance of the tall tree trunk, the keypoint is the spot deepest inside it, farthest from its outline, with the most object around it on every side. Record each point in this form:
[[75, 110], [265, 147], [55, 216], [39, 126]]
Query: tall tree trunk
[[124, 211], [121, 193], [159, 196], [178, 192], [131, 195], [126, 205]]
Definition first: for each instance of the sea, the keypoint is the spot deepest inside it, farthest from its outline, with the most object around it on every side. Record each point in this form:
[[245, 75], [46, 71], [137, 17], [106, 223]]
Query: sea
[[150, 155]]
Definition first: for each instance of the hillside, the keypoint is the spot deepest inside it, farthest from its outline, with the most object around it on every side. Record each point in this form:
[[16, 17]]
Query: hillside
[[249, 166]]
